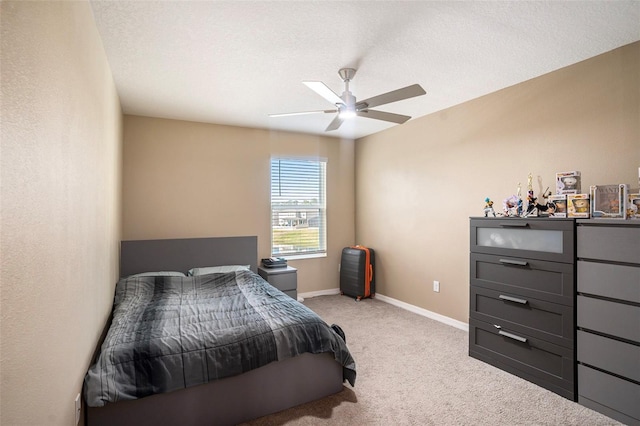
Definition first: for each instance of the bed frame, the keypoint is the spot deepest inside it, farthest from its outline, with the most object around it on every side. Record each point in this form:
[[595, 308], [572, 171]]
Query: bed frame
[[274, 387]]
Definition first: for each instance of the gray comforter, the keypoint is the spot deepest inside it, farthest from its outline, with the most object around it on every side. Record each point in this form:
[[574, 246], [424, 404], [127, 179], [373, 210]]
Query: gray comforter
[[169, 333]]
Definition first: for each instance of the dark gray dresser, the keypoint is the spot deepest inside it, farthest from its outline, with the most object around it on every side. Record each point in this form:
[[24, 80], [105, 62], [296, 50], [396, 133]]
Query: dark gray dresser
[[608, 317], [522, 298]]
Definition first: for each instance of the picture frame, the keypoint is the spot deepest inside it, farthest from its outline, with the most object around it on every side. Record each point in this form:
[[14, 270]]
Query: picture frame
[[568, 182], [633, 205], [578, 205], [560, 203], [609, 201]]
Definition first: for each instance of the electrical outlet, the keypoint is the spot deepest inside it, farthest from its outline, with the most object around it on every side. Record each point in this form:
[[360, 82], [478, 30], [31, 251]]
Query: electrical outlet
[[78, 407], [436, 286]]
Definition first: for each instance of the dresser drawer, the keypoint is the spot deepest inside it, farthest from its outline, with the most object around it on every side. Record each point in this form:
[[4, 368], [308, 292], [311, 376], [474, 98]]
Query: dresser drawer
[[531, 238], [609, 280], [284, 282], [608, 354], [613, 243], [548, 365], [284, 279], [537, 318], [615, 319], [610, 392], [540, 279]]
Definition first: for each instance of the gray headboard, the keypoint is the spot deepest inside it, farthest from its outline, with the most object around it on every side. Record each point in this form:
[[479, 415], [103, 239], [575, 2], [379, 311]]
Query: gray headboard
[[184, 254]]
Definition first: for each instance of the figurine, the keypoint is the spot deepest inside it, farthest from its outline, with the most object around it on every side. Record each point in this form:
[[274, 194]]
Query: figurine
[[549, 207], [531, 203], [488, 207], [511, 203], [519, 207], [533, 207]]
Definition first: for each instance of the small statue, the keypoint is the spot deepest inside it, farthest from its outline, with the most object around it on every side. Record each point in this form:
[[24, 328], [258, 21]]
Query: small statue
[[532, 204], [519, 207], [488, 207], [533, 207], [549, 207], [511, 203]]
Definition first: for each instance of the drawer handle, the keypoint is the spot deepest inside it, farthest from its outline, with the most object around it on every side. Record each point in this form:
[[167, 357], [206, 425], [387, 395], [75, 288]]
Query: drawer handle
[[514, 262], [513, 299], [512, 336], [517, 224]]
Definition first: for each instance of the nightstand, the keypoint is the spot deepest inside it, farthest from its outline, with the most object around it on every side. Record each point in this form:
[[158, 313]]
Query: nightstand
[[284, 279]]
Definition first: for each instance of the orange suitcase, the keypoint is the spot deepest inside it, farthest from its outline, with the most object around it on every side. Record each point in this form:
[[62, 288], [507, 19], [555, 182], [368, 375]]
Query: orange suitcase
[[357, 277]]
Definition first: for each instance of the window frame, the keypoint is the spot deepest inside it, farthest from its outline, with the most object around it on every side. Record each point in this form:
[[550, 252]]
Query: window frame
[[321, 207]]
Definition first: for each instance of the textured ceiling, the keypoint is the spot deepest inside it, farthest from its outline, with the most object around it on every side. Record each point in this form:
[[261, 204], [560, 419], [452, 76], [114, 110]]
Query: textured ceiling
[[236, 62]]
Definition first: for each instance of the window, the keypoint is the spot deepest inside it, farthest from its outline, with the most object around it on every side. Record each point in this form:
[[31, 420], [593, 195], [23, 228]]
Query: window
[[298, 207]]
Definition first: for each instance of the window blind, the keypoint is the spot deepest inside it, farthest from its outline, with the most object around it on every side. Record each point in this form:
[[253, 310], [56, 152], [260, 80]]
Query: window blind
[[298, 204]]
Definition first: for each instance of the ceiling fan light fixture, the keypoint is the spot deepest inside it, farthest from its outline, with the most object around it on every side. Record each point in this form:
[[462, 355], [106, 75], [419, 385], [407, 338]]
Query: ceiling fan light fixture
[[347, 113]]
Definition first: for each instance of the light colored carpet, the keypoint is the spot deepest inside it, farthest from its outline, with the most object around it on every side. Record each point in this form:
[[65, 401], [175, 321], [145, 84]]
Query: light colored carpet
[[416, 371]]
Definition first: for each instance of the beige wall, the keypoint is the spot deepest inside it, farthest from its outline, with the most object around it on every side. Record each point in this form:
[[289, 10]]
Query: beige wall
[[184, 179], [417, 184], [60, 206]]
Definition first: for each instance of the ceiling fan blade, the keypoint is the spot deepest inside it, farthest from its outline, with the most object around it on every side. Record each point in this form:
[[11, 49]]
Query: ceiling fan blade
[[385, 116], [286, 114], [393, 96], [321, 89], [335, 123]]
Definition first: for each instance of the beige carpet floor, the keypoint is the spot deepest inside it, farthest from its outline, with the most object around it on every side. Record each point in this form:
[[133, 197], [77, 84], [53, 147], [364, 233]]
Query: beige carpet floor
[[416, 371]]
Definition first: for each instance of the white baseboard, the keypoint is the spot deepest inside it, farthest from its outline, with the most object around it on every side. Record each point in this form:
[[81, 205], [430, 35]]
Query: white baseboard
[[424, 312], [411, 308], [310, 294]]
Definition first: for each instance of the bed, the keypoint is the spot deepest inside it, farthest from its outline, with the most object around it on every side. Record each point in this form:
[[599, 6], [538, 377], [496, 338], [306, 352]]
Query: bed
[[299, 357]]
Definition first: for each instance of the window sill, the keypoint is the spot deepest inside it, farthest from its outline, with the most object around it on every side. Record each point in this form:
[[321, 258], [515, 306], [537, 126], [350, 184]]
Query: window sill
[[304, 256]]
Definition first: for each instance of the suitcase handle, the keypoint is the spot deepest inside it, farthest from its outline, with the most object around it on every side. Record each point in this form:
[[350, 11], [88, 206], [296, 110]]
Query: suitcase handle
[[368, 272]]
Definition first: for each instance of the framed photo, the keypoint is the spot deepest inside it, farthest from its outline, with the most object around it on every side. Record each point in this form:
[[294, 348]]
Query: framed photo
[[560, 203], [609, 201], [578, 205], [568, 182], [633, 206]]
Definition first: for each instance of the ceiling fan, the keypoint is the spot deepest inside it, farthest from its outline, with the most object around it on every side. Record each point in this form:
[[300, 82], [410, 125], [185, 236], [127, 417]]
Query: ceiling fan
[[348, 107]]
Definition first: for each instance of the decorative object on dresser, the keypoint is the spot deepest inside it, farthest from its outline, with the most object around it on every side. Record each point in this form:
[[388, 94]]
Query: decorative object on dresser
[[578, 205], [560, 205], [609, 201], [568, 182], [633, 206], [522, 298], [284, 279], [608, 317], [512, 206], [488, 207]]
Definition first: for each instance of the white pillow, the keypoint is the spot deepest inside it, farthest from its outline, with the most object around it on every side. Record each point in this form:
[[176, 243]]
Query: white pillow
[[159, 274], [218, 269]]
